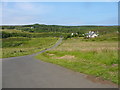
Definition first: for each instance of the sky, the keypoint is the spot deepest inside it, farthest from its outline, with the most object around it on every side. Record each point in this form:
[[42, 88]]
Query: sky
[[60, 13]]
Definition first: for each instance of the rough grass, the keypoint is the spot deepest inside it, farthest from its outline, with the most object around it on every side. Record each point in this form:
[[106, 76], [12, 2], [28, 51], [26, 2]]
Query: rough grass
[[99, 59], [18, 46], [105, 37]]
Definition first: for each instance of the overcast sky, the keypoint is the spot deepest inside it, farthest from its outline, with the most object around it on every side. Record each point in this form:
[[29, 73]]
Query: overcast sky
[[60, 13]]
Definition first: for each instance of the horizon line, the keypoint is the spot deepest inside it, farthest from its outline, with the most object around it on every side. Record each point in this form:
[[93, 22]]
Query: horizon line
[[56, 24]]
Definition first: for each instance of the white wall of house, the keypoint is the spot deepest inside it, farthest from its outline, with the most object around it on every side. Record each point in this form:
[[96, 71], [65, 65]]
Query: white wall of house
[[94, 35], [91, 34], [72, 34]]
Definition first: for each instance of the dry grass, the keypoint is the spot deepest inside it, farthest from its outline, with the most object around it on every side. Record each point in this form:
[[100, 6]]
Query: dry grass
[[97, 58], [87, 46], [67, 57]]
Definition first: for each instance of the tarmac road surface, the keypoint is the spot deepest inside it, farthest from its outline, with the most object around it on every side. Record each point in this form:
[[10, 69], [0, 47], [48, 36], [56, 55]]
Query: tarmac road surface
[[28, 72]]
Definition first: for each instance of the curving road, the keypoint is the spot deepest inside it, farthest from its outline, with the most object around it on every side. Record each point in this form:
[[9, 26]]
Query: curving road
[[28, 72]]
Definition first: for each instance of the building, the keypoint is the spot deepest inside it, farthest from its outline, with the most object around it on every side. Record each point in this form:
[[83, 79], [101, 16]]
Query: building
[[91, 34], [31, 27], [72, 34]]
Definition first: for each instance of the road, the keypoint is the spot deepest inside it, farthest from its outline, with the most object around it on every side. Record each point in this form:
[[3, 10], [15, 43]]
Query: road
[[28, 72]]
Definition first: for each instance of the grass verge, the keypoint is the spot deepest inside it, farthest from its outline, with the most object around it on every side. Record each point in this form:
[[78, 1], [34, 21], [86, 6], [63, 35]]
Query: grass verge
[[99, 59]]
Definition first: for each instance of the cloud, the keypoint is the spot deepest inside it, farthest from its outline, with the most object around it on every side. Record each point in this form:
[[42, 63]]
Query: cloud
[[24, 12], [25, 6], [18, 20], [27, 12]]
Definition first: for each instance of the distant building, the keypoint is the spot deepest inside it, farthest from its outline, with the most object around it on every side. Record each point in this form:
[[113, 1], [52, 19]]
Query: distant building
[[74, 34], [91, 34], [32, 27]]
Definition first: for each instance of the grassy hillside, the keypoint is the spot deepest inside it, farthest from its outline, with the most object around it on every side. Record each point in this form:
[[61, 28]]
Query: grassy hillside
[[62, 29], [18, 43], [22, 36], [105, 37], [18, 46], [97, 58], [19, 33]]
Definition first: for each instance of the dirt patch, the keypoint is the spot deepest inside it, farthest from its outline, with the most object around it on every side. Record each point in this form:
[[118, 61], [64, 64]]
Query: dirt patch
[[50, 54], [100, 80], [114, 65], [66, 57]]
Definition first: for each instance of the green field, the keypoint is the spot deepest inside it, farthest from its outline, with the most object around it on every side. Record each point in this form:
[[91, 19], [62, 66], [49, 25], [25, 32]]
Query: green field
[[94, 56], [20, 45], [97, 58]]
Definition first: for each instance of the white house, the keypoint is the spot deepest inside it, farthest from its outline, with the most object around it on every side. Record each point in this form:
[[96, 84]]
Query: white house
[[91, 34], [31, 27], [72, 34], [76, 33]]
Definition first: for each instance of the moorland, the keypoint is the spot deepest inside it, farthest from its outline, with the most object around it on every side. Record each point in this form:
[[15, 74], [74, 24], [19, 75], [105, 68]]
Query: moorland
[[93, 56]]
